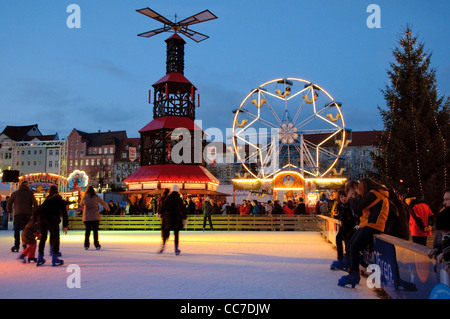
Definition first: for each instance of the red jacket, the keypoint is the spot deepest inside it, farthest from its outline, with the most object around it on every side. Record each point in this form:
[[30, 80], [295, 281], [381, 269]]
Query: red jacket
[[288, 211], [424, 213]]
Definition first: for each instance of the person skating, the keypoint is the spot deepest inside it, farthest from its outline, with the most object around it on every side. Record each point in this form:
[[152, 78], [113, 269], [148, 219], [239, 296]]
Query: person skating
[[91, 215], [24, 204], [173, 218], [49, 216], [207, 209], [29, 235]]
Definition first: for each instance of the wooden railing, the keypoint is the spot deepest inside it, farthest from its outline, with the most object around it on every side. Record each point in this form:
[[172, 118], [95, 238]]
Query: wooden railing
[[195, 222]]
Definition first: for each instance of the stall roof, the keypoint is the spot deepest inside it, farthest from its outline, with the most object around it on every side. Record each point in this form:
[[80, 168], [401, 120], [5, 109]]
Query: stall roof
[[172, 173]]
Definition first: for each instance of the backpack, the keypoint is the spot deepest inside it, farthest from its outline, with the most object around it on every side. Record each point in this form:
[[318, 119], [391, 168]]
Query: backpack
[[397, 224]]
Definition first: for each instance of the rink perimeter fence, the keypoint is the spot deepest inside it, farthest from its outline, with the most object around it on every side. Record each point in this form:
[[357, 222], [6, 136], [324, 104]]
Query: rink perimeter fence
[[405, 271], [195, 222]]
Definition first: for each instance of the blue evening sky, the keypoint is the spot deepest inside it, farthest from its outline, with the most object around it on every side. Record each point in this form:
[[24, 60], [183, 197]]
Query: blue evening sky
[[97, 77]]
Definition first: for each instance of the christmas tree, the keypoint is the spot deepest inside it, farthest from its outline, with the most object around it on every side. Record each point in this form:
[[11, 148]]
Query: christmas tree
[[412, 155]]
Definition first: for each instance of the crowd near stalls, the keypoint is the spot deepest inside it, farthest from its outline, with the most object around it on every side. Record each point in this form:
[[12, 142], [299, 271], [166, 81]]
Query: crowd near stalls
[[148, 205]]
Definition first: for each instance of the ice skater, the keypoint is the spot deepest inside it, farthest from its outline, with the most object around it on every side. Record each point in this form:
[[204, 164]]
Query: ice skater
[[29, 235], [173, 215], [91, 215], [49, 216], [207, 209]]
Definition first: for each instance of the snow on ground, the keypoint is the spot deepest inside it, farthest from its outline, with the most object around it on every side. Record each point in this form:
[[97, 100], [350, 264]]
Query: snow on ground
[[212, 265]]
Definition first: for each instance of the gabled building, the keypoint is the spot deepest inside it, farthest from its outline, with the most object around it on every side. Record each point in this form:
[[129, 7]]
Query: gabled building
[[26, 149], [126, 161], [95, 154]]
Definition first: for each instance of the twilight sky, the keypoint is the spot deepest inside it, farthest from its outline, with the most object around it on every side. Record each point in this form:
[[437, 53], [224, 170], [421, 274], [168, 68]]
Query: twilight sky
[[97, 77]]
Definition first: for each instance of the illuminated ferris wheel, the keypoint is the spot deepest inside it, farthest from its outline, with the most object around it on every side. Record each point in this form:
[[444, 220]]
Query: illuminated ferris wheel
[[288, 124]]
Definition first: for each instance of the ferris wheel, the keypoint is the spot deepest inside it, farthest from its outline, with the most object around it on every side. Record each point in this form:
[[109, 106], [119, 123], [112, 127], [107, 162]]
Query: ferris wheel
[[289, 124]]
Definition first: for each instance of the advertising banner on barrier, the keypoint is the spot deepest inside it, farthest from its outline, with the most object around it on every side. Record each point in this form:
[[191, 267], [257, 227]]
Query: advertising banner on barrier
[[406, 274]]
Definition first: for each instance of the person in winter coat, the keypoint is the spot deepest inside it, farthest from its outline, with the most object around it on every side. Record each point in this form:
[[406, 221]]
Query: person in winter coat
[[348, 221], [91, 215], [24, 204], [208, 209], [29, 235], [443, 226], [49, 216], [420, 221], [174, 217], [256, 209], [277, 209], [5, 214], [289, 208], [437, 243], [373, 202]]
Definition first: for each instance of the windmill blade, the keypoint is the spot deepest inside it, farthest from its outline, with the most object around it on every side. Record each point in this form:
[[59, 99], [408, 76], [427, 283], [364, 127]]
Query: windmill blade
[[149, 34], [193, 35], [197, 18], [154, 15]]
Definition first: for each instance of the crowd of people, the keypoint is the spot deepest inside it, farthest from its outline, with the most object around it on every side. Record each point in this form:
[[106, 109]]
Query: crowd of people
[[364, 208]]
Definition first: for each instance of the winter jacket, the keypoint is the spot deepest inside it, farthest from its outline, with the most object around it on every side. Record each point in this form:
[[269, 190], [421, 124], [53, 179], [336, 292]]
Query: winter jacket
[[345, 215], [51, 211], [29, 233], [207, 208], [23, 201], [375, 209], [423, 212], [173, 212], [91, 210], [289, 210]]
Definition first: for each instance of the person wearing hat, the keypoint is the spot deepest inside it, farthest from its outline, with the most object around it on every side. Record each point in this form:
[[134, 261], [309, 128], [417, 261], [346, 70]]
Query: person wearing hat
[[173, 216]]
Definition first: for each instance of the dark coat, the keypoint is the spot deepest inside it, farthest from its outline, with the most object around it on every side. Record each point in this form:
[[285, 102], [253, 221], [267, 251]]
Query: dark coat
[[51, 211], [173, 212], [29, 233], [345, 215], [23, 201]]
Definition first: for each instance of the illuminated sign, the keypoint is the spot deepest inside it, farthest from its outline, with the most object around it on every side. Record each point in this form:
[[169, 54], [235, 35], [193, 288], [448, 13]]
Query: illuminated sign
[[77, 180]]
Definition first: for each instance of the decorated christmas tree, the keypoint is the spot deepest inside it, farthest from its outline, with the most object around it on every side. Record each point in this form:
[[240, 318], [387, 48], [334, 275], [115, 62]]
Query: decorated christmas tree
[[412, 154]]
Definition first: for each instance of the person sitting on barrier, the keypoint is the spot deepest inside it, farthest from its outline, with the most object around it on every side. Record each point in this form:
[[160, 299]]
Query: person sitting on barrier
[[374, 204], [346, 230]]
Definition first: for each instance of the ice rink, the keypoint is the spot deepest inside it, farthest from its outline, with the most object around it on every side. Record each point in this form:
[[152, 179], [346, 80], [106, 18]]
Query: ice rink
[[212, 265]]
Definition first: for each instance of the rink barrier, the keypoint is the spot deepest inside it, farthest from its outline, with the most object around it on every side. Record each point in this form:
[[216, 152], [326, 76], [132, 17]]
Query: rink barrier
[[195, 222], [406, 271]]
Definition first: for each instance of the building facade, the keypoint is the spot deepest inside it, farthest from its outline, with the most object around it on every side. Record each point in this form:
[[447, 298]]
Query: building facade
[[27, 150], [95, 153]]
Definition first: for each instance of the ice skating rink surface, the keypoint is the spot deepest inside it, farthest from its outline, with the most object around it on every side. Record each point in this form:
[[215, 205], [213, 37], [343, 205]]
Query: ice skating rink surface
[[212, 265]]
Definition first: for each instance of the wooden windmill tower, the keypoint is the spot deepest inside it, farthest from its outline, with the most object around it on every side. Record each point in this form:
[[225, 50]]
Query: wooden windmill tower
[[174, 102]]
